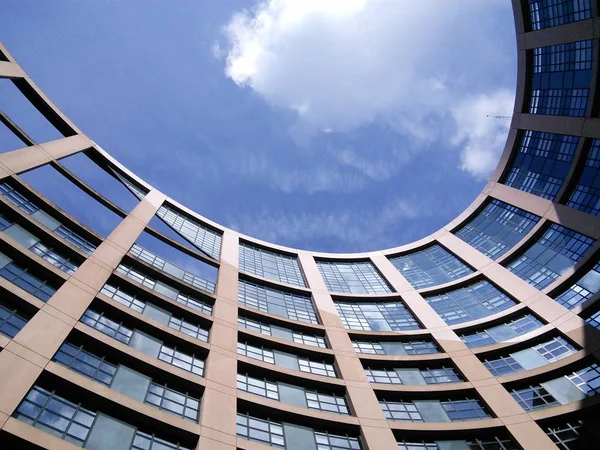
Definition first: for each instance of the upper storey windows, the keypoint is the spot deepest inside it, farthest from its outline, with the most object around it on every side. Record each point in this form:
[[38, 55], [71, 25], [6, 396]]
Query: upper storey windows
[[542, 163], [553, 254], [275, 301], [586, 195], [497, 228], [561, 80], [430, 267], [550, 13], [268, 264], [353, 277], [376, 316], [204, 238], [469, 303]]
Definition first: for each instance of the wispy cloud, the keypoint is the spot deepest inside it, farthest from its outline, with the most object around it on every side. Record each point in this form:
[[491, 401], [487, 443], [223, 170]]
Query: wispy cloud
[[341, 65]]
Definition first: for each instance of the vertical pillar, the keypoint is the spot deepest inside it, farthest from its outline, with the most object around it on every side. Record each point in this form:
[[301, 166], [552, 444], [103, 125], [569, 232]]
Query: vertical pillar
[[219, 401]]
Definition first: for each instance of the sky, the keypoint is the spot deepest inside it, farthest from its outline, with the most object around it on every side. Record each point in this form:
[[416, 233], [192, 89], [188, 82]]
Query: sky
[[329, 125]]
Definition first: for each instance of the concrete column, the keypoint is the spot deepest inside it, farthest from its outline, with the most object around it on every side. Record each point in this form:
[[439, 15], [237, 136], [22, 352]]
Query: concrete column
[[219, 401]]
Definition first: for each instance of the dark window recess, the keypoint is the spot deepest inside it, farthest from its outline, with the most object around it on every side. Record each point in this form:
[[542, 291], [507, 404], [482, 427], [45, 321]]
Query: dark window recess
[[542, 163]]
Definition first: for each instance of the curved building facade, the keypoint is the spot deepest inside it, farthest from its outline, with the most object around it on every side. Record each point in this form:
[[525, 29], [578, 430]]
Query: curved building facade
[[169, 331]]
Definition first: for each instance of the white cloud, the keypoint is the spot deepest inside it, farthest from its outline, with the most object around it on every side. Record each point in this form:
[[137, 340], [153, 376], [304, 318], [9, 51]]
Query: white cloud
[[482, 138], [342, 64]]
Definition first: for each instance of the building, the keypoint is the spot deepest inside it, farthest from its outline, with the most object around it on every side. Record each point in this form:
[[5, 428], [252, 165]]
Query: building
[[484, 335]]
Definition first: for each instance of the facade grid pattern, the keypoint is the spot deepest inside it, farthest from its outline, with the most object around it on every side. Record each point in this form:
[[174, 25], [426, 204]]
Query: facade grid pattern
[[376, 316], [551, 13], [542, 163], [11, 321], [553, 254], [353, 277], [278, 302], [497, 228], [430, 267], [469, 303], [271, 265], [586, 194], [501, 333], [200, 236]]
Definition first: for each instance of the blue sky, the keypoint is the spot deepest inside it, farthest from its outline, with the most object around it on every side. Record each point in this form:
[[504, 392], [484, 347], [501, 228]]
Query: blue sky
[[328, 125]]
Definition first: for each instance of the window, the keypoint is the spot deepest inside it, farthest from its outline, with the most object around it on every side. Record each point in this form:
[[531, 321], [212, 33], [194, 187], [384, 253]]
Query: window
[[273, 266], [501, 333], [503, 365], [135, 275], [107, 326], [11, 322], [405, 411], [497, 228], [586, 379], [358, 277], [556, 349], [314, 340], [185, 327], [550, 13], [562, 76], [469, 303], [182, 360], [542, 163], [255, 386], [586, 195], [26, 281], [370, 348], [533, 397], [53, 414], [429, 376], [326, 402], [17, 198], [552, 255], [54, 258], [386, 376], [164, 289], [75, 239], [594, 320], [393, 348], [317, 368], [430, 267], [376, 316], [86, 363], [442, 375], [180, 404], [202, 237], [492, 443], [258, 353], [196, 331], [406, 445], [34, 244], [144, 441], [254, 325], [117, 294], [327, 441], [468, 409], [583, 289], [274, 301], [565, 435], [165, 266], [264, 431]]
